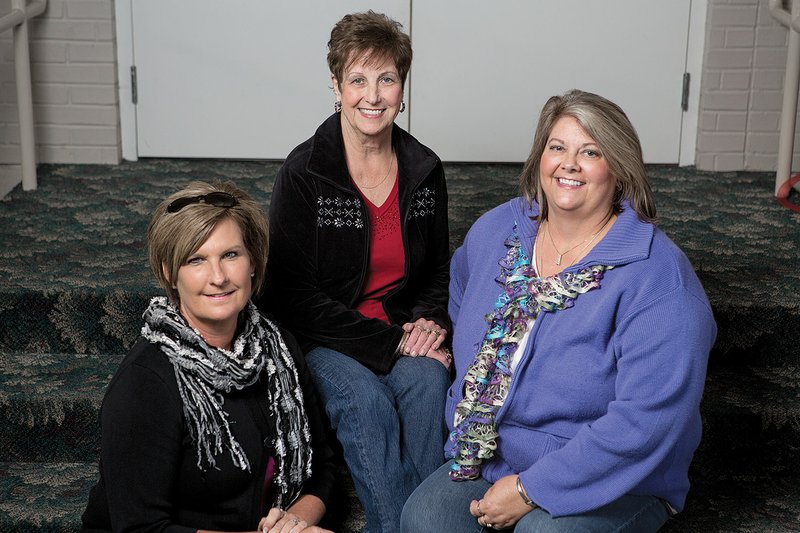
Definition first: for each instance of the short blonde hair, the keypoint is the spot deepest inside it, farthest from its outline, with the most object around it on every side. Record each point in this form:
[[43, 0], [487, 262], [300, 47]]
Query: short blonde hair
[[173, 237], [369, 34], [609, 126]]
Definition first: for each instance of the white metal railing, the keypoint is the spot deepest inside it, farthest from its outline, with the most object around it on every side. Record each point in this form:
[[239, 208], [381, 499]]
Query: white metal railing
[[791, 87], [17, 19]]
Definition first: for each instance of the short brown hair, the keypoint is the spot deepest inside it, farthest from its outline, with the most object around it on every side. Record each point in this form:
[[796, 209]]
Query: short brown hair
[[370, 35], [173, 237], [609, 126]]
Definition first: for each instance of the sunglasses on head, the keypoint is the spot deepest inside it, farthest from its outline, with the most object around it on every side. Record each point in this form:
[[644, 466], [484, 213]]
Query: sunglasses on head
[[217, 199]]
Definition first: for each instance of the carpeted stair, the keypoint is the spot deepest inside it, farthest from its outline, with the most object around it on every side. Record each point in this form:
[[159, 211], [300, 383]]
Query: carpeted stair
[[74, 282]]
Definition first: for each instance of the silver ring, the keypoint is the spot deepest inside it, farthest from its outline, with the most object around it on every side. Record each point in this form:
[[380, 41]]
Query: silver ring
[[295, 521], [490, 526]]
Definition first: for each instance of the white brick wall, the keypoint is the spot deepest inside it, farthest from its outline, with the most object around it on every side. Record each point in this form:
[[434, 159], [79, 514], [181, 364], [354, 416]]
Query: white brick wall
[[73, 70], [742, 88]]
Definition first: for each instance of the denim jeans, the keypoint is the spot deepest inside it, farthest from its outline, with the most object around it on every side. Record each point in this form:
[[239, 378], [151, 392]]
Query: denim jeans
[[391, 426], [442, 505]]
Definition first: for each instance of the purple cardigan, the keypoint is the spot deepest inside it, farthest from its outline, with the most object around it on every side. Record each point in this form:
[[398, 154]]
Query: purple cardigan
[[605, 401]]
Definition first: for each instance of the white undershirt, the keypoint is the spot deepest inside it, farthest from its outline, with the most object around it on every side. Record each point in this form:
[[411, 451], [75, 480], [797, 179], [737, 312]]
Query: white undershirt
[[523, 343]]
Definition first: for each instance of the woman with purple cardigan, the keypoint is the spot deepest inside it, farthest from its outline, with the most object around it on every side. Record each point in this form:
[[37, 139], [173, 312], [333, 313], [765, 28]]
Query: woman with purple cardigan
[[576, 400]]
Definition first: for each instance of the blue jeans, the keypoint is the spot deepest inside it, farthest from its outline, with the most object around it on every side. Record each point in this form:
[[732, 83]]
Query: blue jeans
[[391, 426], [440, 504]]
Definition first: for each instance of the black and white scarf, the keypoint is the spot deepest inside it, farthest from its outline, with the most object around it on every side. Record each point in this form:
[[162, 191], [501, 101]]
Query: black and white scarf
[[204, 373]]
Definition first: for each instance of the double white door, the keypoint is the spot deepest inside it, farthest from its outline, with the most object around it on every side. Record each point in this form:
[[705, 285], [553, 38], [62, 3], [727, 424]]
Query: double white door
[[249, 79]]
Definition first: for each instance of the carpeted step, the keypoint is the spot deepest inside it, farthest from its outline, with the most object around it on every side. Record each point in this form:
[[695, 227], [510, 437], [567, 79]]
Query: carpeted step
[[49, 405], [104, 320], [44, 497], [49, 497], [748, 498], [744, 474], [80, 239], [772, 393], [101, 320], [743, 485]]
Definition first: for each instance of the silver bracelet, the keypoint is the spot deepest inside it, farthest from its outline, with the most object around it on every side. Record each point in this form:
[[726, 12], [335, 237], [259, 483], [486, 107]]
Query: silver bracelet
[[402, 346], [523, 495]]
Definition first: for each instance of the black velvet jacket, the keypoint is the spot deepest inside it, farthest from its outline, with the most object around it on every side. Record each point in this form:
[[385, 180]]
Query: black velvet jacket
[[319, 248]]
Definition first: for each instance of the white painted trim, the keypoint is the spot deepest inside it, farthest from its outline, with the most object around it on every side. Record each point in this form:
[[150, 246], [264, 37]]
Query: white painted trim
[[125, 59], [694, 66]]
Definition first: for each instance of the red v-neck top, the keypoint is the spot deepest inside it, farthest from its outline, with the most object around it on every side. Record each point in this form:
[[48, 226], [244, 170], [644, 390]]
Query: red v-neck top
[[386, 256]]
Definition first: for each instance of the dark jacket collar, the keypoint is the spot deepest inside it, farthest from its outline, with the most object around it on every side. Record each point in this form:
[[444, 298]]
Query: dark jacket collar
[[327, 159]]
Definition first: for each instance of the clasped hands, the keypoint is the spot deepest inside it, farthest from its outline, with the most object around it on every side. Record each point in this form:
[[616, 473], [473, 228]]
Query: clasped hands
[[501, 507], [424, 338]]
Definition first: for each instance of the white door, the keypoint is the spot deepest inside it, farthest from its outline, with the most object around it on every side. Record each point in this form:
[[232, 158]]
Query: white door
[[235, 79], [483, 70]]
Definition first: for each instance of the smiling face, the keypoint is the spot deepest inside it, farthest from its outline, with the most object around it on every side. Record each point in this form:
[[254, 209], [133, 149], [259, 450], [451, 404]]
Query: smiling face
[[371, 95], [215, 283], [574, 173]]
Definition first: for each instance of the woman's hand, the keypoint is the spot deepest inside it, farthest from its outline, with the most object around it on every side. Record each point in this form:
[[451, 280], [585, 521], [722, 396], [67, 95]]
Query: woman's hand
[[301, 517], [501, 507], [422, 337], [280, 521], [442, 355]]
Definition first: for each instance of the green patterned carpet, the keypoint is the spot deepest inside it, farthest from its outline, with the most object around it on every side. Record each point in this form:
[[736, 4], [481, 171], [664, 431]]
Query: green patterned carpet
[[74, 282]]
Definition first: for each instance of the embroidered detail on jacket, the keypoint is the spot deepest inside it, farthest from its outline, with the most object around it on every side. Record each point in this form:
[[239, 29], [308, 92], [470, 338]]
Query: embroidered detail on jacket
[[339, 212], [423, 203]]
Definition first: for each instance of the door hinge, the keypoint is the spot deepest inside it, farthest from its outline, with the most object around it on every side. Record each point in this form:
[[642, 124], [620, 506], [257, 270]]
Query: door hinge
[[134, 91], [685, 94]]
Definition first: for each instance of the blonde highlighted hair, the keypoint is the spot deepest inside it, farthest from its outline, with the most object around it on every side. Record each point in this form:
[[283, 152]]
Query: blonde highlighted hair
[[173, 237], [609, 126]]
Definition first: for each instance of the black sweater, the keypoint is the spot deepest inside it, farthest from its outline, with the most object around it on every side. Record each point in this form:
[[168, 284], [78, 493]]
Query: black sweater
[[149, 479], [319, 248]]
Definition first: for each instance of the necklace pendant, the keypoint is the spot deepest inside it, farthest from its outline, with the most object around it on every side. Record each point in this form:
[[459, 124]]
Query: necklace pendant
[[558, 260]]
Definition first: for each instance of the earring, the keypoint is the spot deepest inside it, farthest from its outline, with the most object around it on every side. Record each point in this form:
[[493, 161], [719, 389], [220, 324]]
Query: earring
[[252, 274], [402, 106], [337, 106]]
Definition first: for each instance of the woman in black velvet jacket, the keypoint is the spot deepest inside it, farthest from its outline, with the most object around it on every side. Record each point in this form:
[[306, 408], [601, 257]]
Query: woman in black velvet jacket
[[358, 269]]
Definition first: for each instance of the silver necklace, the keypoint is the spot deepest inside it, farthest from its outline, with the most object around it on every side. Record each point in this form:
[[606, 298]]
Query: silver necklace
[[391, 164], [590, 240]]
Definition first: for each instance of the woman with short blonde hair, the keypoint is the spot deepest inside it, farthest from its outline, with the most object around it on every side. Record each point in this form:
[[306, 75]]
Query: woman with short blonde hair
[[211, 421]]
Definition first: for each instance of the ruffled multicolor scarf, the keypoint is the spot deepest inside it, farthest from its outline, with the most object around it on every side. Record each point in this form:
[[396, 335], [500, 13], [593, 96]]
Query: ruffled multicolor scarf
[[488, 378], [204, 373]]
